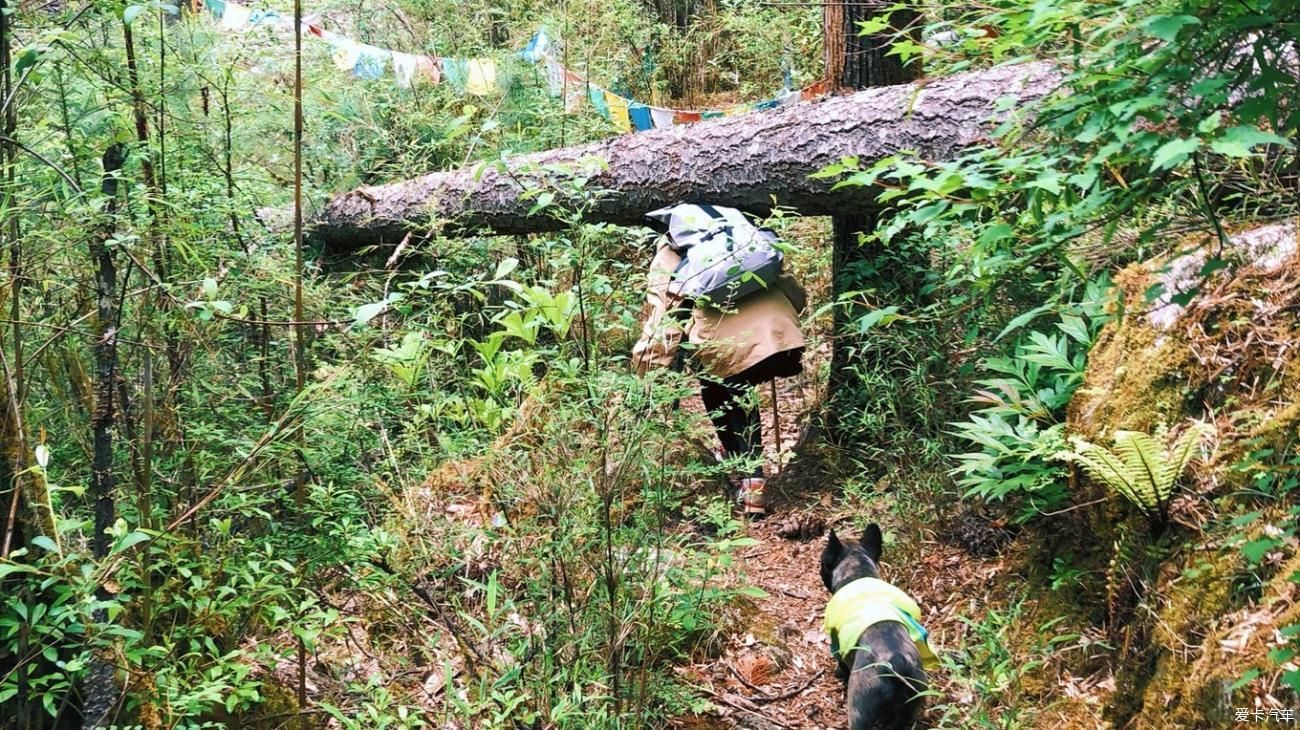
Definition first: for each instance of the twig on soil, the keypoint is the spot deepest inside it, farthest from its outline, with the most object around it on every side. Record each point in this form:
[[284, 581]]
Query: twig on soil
[[764, 698], [739, 703], [440, 613], [1072, 507]]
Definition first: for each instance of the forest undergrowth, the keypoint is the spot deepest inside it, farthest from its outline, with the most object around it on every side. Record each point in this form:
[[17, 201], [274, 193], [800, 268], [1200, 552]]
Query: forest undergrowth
[[244, 485]]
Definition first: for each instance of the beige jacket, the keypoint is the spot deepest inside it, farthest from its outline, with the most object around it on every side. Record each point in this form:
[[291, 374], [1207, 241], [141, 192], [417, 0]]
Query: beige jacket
[[726, 342]]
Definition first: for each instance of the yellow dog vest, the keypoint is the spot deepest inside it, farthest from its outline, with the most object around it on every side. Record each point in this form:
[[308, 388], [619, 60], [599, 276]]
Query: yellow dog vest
[[869, 601]]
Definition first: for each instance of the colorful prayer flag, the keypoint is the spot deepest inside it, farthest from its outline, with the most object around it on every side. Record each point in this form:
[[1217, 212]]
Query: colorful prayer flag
[[640, 115], [574, 91], [403, 69], [480, 76], [815, 90], [661, 117], [681, 116], [216, 7], [536, 47], [429, 68], [454, 70], [554, 77], [265, 17], [597, 96], [371, 61], [235, 17], [345, 51], [618, 112], [712, 114]]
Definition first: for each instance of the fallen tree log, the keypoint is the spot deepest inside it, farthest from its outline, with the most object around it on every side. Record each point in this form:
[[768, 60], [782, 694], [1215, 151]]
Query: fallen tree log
[[751, 162]]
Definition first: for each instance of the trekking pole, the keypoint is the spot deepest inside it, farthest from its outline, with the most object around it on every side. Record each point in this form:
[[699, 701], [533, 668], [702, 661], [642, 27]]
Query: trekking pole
[[776, 427]]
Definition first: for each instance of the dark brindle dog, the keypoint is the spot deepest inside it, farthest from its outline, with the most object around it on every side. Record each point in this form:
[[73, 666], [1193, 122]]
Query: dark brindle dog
[[884, 662]]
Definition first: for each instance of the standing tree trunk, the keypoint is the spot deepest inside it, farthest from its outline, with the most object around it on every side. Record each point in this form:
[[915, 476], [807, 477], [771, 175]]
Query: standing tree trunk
[[11, 453], [105, 352], [855, 61], [99, 690]]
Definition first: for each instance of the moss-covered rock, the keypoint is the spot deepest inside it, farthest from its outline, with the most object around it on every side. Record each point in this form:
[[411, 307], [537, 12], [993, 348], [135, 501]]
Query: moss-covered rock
[[1222, 346]]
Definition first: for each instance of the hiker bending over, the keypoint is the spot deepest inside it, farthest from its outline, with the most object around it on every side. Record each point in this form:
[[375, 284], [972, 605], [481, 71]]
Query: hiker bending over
[[718, 278]]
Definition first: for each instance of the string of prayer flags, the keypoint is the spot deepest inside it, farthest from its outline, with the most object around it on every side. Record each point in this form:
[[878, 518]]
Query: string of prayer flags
[[482, 76]]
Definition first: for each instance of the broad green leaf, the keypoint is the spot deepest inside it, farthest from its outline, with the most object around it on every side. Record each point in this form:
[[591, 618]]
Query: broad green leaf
[[1174, 153], [1238, 141], [1167, 27], [1075, 328], [1246, 678], [505, 268], [7, 569], [26, 59], [883, 316], [1255, 550], [995, 233], [1049, 181], [130, 540], [1211, 123], [367, 312], [1022, 320], [131, 12]]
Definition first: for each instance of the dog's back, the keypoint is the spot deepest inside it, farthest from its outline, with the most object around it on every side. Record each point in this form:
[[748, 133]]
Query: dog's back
[[886, 680], [886, 673]]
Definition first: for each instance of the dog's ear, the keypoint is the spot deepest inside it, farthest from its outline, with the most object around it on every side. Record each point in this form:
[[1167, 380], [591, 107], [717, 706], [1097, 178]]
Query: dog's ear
[[834, 547], [873, 541], [830, 558]]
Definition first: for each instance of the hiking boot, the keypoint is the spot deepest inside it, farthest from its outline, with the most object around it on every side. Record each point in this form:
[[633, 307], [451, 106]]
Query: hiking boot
[[751, 497]]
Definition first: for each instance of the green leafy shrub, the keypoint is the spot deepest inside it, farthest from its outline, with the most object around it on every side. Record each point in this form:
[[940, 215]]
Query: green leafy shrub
[[1020, 422]]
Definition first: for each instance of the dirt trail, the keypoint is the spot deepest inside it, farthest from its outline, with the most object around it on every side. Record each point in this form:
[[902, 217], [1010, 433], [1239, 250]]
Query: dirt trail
[[778, 673]]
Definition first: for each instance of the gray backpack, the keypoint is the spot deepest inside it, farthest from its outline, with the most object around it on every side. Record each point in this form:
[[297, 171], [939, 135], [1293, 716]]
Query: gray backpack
[[725, 258]]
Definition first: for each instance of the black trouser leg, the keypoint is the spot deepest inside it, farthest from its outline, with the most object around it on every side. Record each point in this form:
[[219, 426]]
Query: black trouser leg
[[740, 429]]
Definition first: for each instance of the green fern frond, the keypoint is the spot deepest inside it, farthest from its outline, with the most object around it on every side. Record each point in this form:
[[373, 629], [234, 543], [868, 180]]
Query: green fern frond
[[1140, 468], [1098, 462], [1180, 454], [1144, 461]]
